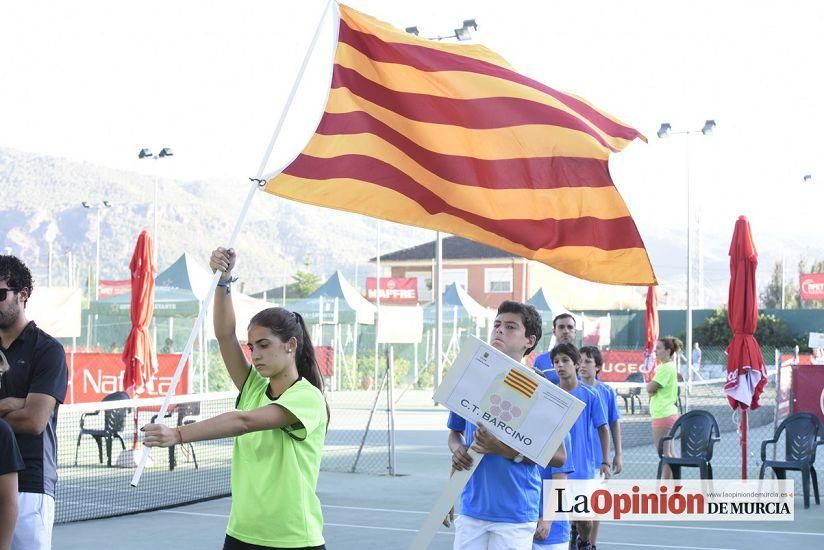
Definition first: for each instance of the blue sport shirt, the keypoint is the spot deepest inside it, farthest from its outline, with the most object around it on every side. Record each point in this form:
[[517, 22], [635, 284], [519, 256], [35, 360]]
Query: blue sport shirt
[[584, 433], [499, 490]]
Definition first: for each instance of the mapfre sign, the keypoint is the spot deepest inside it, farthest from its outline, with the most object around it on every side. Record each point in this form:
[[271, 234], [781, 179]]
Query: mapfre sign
[[812, 286], [396, 290]]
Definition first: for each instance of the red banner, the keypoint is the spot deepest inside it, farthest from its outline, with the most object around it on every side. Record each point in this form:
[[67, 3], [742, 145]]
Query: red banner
[[618, 364], [395, 290], [107, 289], [808, 390], [96, 375], [812, 286]]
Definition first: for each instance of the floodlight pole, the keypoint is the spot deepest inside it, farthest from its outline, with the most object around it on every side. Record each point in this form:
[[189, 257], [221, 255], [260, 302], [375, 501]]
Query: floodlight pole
[[461, 35], [665, 131]]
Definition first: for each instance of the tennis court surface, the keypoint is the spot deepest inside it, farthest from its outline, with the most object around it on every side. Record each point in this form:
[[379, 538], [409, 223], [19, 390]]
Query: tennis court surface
[[369, 511]]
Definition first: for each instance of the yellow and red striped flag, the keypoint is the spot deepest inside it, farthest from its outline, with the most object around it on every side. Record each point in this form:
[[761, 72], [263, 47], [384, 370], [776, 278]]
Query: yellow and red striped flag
[[521, 383], [449, 137]]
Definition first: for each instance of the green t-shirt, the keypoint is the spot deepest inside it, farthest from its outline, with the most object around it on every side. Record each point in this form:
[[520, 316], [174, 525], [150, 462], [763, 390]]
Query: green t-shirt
[[662, 402], [275, 472]]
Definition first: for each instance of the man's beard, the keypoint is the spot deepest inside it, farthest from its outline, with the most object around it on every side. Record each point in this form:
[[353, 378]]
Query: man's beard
[[7, 319]]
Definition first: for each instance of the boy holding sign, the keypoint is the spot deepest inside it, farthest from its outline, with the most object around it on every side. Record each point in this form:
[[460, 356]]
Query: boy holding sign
[[500, 503]]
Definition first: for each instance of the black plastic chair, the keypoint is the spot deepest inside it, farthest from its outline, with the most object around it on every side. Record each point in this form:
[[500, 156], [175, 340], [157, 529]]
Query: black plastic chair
[[631, 395], [113, 423], [187, 413], [803, 436], [698, 431]]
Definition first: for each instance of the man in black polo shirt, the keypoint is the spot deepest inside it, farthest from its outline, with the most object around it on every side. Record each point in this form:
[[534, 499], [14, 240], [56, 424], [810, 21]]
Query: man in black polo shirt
[[32, 388]]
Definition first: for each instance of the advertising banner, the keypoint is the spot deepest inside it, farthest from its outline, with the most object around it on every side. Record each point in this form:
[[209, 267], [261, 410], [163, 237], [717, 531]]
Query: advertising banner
[[811, 286], [394, 290], [96, 375]]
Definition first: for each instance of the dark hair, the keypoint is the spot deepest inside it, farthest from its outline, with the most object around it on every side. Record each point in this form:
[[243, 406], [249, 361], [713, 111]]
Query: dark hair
[[15, 273], [672, 344], [286, 324], [529, 316], [563, 316], [567, 349], [595, 354]]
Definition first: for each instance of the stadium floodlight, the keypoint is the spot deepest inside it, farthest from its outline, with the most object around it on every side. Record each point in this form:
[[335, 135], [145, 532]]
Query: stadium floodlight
[[470, 23], [709, 126]]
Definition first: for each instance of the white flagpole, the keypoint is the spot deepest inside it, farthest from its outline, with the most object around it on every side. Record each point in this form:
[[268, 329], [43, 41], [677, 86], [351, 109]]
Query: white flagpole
[[187, 351]]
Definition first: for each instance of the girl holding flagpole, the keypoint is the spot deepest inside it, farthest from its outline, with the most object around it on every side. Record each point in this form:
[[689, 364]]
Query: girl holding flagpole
[[279, 425]]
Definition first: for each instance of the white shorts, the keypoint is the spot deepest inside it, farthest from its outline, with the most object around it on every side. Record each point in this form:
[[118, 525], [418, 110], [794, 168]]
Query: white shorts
[[557, 546], [35, 518], [477, 534]]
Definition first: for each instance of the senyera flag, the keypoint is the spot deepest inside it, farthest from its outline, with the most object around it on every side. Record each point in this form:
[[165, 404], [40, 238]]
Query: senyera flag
[[449, 137]]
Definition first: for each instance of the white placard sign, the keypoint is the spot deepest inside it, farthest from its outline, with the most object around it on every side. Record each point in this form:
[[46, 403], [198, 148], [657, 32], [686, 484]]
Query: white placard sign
[[520, 407], [816, 340], [400, 325]]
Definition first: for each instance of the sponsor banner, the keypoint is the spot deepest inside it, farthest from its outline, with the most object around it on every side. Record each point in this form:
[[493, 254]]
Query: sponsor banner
[[96, 375], [669, 500], [811, 286], [808, 390], [395, 290], [619, 364], [107, 289], [521, 408]]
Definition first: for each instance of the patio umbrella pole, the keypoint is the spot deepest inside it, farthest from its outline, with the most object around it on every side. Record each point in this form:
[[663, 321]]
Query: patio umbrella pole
[[187, 351], [743, 443]]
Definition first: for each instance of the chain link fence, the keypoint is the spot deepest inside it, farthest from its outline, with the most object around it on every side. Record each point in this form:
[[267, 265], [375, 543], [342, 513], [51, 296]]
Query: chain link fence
[[704, 391]]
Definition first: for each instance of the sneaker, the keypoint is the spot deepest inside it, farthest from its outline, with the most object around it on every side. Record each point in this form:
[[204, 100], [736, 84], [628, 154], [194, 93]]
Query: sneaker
[[581, 545]]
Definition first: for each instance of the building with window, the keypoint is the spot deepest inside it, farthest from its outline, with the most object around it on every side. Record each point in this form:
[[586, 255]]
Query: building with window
[[491, 275]]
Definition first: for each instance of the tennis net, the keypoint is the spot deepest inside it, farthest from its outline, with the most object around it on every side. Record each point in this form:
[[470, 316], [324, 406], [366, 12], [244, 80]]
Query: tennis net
[[96, 453]]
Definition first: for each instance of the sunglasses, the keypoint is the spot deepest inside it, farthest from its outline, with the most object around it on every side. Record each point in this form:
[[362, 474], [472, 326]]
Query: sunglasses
[[4, 292]]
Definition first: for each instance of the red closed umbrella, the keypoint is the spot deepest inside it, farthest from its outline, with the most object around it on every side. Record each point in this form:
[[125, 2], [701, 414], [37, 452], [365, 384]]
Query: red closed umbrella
[[746, 369], [651, 319], [138, 358]]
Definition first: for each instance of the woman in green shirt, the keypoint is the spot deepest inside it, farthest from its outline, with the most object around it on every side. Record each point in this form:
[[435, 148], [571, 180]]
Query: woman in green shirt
[[279, 425], [663, 391]]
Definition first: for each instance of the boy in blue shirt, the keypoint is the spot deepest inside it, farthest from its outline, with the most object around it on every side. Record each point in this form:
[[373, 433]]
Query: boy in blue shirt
[[591, 363], [554, 534], [590, 426], [501, 501], [563, 329]]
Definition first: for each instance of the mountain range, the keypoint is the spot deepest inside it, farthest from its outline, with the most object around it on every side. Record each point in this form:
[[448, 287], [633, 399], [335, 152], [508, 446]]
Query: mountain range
[[41, 210]]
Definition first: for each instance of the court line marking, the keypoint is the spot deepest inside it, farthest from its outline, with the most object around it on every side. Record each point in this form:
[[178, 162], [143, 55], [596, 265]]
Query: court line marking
[[622, 524]]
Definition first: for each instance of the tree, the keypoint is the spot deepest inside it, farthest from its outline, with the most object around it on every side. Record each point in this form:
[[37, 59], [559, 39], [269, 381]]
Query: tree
[[771, 297], [771, 331], [305, 282]]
